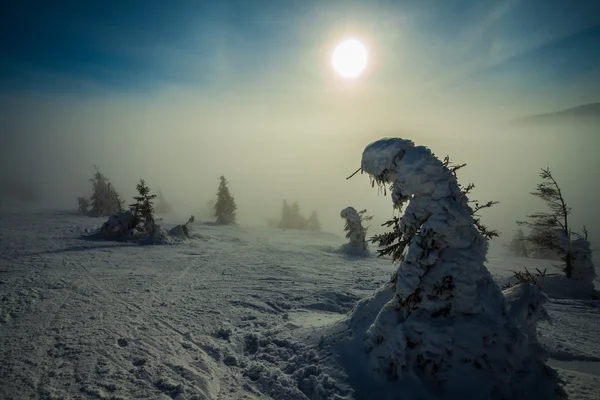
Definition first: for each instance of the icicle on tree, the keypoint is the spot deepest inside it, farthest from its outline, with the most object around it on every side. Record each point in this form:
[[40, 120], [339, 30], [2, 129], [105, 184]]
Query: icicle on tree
[[313, 223], [105, 200], [162, 206], [225, 206], [143, 208], [447, 321], [550, 231], [356, 230], [518, 244]]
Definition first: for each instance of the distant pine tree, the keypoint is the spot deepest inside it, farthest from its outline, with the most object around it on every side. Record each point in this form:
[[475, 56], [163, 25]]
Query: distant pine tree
[[518, 244], [143, 209], [285, 220], [105, 200], [225, 206], [297, 220], [162, 206], [83, 204], [313, 222]]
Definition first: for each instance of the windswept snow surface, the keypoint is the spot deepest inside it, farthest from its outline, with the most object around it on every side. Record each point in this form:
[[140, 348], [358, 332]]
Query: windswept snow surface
[[234, 312]]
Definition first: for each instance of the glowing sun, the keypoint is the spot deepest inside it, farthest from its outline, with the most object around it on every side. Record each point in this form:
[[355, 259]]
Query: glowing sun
[[349, 58]]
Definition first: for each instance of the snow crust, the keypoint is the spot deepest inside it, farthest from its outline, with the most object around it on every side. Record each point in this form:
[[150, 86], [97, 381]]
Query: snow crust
[[233, 312]]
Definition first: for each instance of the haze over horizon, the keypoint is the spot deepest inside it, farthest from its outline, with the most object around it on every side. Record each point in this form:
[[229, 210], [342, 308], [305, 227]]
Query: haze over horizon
[[179, 95]]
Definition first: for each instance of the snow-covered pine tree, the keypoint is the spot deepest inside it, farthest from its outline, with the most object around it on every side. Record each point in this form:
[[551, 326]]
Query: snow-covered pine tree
[[104, 200], [394, 242], [447, 322], [356, 229], [225, 206], [518, 244], [313, 222], [551, 230], [83, 204], [143, 208], [162, 206]]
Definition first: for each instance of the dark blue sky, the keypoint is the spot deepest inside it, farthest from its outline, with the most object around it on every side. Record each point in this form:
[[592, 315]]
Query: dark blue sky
[[136, 45]]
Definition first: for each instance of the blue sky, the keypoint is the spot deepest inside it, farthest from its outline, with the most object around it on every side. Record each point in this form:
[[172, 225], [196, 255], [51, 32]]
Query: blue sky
[[126, 46]]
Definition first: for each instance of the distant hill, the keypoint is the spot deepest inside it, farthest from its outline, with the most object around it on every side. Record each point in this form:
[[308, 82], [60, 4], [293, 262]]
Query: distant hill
[[588, 113]]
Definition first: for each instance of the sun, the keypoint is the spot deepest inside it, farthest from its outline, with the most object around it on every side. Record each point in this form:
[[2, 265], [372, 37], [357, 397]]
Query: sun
[[349, 58]]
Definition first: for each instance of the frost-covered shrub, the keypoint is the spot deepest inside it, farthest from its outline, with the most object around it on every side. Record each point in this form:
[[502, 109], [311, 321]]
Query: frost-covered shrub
[[183, 231], [356, 229], [448, 322], [526, 306], [119, 225]]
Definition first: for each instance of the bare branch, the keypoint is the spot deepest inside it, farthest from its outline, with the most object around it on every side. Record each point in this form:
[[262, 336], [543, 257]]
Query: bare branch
[[357, 171]]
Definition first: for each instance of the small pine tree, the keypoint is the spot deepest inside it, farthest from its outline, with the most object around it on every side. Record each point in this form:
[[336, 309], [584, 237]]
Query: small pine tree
[[143, 209], [355, 227], [518, 245], [550, 230], [225, 206], [313, 222], [105, 200], [83, 204]]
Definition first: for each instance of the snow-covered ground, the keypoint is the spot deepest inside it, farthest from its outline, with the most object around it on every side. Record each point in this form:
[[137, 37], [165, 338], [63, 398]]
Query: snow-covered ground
[[235, 313]]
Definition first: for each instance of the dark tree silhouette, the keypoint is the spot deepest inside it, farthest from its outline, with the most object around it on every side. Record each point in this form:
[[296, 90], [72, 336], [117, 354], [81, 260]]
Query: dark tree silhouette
[[143, 208], [551, 230]]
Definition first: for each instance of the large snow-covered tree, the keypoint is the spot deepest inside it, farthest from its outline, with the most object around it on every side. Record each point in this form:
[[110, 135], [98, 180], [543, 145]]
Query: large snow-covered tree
[[393, 243], [447, 321], [225, 206], [550, 231], [104, 200]]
